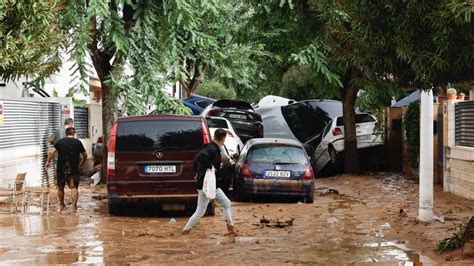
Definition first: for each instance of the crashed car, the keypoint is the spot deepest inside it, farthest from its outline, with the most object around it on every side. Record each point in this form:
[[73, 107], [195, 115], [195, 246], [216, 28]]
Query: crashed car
[[246, 122], [273, 167], [302, 121], [197, 103], [233, 144], [331, 147]]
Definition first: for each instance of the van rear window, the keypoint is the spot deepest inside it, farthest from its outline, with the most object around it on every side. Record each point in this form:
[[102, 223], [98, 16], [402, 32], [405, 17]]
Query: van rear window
[[164, 135]]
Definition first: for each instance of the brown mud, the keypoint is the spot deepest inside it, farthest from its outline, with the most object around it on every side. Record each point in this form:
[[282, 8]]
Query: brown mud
[[362, 224]]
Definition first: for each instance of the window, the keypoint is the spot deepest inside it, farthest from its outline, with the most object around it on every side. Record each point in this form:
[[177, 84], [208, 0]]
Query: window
[[360, 118], [216, 123], [305, 120], [203, 104], [164, 135], [274, 153]]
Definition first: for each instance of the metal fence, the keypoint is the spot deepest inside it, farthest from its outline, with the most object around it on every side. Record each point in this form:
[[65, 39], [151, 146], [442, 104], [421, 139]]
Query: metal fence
[[81, 122], [30, 124], [464, 128]]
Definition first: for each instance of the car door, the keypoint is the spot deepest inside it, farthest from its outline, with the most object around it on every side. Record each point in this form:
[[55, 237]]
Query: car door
[[321, 155]]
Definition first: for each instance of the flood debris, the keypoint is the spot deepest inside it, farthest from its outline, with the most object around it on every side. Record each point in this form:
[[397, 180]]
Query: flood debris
[[324, 191], [468, 238], [276, 223]]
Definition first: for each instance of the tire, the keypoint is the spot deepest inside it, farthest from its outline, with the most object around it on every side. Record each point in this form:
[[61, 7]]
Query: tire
[[211, 209], [335, 160], [115, 209], [308, 198]]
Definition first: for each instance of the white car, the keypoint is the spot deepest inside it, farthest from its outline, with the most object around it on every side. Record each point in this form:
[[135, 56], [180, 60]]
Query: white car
[[332, 140], [300, 121], [232, 142], [272, 100]]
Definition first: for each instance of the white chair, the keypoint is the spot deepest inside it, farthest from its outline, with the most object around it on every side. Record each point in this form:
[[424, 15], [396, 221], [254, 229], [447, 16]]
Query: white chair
[[15, 192]]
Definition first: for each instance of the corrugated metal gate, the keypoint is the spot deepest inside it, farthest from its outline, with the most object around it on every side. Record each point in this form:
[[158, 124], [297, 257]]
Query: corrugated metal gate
[[30, 124], [81, 122], [464, 123]]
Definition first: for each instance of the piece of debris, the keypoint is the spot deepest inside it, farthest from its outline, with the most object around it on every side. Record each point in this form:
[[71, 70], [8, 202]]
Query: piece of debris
[[96, 179], [439, 219], [277, 222], [402, 213], [324, 192], [468, 237], [99, 196], [172, 220]]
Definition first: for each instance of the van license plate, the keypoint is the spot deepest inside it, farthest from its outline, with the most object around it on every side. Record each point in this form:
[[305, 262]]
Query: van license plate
[[159, 169], [277, 173]]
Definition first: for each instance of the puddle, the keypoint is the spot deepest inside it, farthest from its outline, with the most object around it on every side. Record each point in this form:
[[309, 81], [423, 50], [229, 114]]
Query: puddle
[[399, 251]]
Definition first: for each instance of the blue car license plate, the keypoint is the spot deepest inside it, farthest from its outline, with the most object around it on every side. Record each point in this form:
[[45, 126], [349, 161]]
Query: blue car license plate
[[277, 173]]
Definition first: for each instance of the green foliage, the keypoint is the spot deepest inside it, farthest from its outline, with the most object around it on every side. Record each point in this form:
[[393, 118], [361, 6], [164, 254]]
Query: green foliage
[[378, 98], [214, 89], [453, 242], [30, 39], [412, 131], [301, 82]]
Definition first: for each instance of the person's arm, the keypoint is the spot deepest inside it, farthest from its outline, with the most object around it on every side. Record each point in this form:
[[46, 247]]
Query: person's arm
[[83, 155], [52, 152], [84, 158], [52, 138]]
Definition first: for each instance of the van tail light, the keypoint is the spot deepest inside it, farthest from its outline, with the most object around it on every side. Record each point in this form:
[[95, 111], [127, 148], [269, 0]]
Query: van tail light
[[337, 131], [245, 172], [111, 153], [229, 134], [308, 173], [260, 131], [205, 133]]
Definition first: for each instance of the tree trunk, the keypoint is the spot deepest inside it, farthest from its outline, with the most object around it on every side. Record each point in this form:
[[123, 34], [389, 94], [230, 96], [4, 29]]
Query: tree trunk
[[192, 86], [349, 96], [109, 116]]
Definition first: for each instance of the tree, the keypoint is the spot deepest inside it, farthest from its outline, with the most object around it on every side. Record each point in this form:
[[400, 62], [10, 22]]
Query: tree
[[30, 39], [214, 89], [397, 42], [133, 46], [215, 50]]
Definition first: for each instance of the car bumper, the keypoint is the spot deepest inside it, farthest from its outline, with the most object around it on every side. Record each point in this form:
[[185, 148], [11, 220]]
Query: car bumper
[[276, 187], [114, 197]]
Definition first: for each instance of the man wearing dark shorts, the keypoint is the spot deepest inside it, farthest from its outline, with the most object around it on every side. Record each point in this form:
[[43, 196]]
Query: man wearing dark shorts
[[71, 156]]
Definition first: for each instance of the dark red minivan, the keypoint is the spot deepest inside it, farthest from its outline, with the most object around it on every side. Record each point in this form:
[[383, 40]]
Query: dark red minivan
[[151, 158]]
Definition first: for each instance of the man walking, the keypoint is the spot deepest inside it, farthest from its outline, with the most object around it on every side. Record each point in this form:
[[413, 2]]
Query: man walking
[[208, 157], [61, 132], [69, 150]]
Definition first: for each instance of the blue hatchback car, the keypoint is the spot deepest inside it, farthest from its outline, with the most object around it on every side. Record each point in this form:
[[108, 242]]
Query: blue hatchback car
[[274, 167], [197, 103]]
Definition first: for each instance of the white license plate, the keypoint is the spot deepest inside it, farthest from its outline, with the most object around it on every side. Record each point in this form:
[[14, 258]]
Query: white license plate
[[159, 169], [277, 173], [363, 137], [238, 116]]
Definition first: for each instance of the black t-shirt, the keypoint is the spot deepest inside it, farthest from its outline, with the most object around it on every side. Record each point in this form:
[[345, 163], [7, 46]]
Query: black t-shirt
[[69, 154]]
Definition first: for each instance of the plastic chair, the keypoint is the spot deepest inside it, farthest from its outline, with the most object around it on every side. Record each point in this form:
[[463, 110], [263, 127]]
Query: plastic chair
[[42, 192], [15, 192]]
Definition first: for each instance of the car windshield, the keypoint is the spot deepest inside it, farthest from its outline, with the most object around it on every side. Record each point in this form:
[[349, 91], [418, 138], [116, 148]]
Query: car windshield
[[164, 135], [216, 123], [274, 153], [307, 119]]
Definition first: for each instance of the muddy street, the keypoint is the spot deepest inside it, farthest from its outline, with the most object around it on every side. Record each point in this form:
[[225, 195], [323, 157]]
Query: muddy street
[[361, 224]]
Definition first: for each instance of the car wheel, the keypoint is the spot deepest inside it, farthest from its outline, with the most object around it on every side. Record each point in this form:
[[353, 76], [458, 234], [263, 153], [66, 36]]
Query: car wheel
[[211, 209], [309, 198], [332, 155], [115, 209]]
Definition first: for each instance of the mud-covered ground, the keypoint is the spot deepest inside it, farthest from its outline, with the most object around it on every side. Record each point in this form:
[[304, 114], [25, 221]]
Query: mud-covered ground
[[360, 225]]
